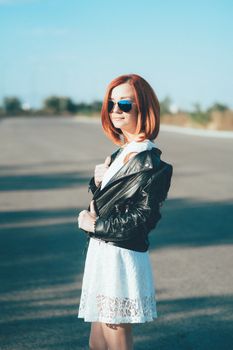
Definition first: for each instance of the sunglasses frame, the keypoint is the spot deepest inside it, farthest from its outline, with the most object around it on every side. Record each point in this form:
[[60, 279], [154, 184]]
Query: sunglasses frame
[[119, 105]]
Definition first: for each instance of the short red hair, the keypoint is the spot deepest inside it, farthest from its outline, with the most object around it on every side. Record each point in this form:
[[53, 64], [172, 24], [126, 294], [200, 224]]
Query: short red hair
[[148, 109]]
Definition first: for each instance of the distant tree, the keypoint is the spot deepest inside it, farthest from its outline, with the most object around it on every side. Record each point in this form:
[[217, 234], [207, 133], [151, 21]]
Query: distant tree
[[96, 106], [165, 105], [57, 105], [199, 115], [67, 105], [88, 108], [2, 112], [12, 105], [218, 107], [83, 107], [51, 104]]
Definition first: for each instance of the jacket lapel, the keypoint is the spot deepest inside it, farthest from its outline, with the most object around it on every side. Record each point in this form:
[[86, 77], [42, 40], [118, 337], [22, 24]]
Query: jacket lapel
[[143, 161]]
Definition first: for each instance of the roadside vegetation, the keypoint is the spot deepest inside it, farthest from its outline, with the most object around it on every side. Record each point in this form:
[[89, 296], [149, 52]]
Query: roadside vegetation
[[216, 117]]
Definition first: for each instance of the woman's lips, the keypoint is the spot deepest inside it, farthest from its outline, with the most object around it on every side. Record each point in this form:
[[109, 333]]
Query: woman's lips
[[118, 118]]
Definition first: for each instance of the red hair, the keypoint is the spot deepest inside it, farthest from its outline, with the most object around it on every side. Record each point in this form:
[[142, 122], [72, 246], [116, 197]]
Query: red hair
[[148, 109]]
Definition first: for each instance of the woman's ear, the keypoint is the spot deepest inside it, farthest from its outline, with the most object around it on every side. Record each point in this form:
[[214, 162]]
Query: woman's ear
[[129, 156]]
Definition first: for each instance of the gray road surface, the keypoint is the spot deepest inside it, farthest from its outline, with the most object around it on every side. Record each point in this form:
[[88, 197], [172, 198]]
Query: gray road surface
[[45, 165]]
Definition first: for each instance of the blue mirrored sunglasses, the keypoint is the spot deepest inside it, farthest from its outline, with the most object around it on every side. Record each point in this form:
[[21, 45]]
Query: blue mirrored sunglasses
[[124, 105]]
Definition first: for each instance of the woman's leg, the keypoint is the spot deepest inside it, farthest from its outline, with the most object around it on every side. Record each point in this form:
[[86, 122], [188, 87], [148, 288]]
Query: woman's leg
[[96, 340], [118, 336]]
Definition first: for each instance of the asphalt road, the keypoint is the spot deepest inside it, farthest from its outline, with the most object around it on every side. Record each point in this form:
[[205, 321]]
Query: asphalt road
[[45, 166]]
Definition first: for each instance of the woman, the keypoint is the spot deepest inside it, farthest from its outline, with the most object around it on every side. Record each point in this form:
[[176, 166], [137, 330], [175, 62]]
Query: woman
[[128, 190]]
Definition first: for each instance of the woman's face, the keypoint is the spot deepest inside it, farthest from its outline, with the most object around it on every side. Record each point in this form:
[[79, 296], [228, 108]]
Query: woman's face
[[126, 121]]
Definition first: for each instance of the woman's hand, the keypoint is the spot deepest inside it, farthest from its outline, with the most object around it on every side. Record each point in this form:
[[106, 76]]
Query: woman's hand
[[100, 170], [86, 219]]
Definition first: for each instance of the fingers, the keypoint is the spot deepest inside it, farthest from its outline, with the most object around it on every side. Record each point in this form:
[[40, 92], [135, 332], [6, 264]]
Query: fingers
[[107, 161], [92, 208], [85, 214], [80, 217], [100, 170], [87, 219]]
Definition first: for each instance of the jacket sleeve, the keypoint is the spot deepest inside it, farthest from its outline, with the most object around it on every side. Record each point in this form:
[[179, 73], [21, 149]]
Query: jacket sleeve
[[142, 216]]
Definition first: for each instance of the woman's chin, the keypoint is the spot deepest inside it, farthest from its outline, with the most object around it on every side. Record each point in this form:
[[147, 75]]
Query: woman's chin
[[118, 123]]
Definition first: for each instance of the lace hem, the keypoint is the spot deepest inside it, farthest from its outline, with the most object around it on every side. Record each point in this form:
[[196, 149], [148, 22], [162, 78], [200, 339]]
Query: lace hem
[[118, 310]]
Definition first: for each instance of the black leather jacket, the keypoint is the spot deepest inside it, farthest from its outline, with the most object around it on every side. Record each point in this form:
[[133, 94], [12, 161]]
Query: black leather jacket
[[128, 207]]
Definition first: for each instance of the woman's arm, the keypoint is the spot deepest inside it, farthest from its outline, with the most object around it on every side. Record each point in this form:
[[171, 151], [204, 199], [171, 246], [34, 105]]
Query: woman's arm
[[142, 216]]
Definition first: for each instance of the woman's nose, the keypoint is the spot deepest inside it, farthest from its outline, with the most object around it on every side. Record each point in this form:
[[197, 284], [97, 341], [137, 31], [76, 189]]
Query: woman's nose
[[116, 108]]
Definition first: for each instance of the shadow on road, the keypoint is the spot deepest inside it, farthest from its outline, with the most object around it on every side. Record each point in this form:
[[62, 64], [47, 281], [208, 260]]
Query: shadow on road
[[41, 274], [190, 223], [44, 181]]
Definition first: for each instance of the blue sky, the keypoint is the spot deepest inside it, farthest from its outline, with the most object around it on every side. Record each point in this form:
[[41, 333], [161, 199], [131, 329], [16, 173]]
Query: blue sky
[[184, 49]]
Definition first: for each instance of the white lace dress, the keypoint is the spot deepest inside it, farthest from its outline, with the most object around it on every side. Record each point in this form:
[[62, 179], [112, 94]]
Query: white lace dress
[[118, 284]]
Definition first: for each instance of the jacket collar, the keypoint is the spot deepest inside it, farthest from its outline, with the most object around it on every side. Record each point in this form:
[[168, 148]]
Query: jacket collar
[[143, 161]]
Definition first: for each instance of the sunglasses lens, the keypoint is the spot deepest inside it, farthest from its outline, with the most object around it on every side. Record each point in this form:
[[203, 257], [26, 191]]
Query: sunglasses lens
[[125, 105], [110, 106]]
